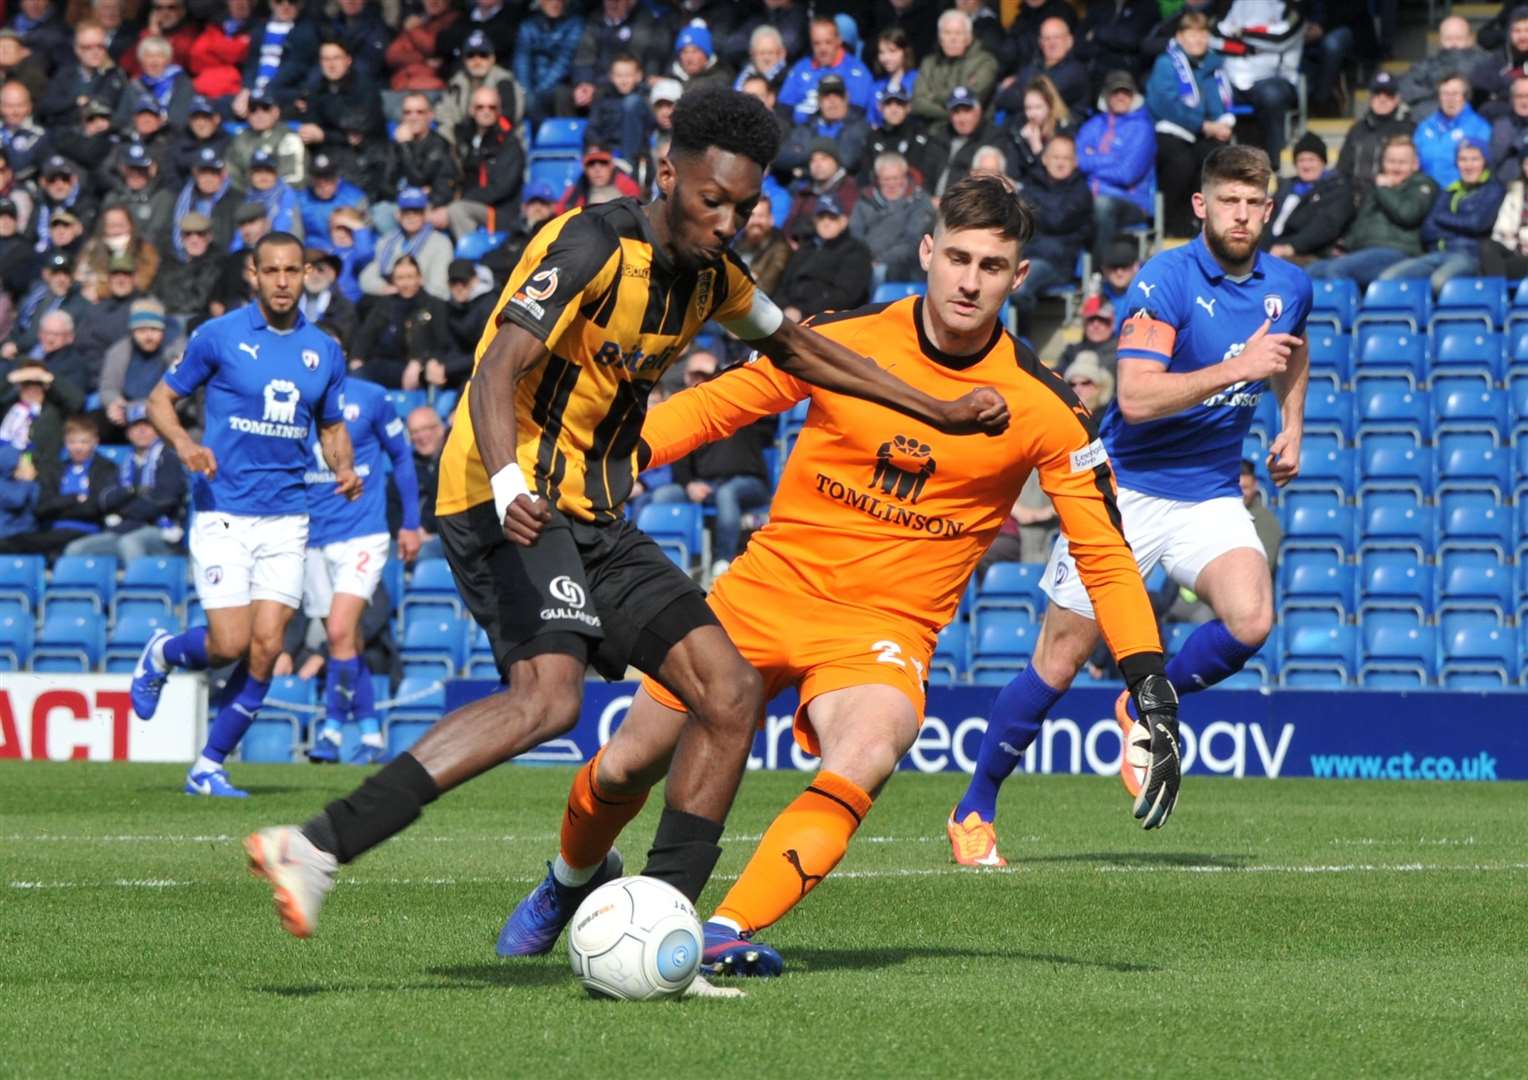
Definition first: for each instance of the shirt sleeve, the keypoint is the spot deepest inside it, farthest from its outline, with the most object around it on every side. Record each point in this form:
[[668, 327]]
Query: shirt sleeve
[[196, 365], [1152, 315], [716, 409], [332, 409], [578, 260], [389, 429]]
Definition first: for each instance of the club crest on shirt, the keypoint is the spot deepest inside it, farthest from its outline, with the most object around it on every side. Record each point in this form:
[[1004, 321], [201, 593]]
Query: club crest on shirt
[[542, 284], [703, 284], [1273, 305], [310, 359]]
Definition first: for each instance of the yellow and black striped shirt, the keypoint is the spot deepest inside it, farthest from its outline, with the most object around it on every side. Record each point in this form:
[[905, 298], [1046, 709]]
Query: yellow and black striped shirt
[[614, 312]]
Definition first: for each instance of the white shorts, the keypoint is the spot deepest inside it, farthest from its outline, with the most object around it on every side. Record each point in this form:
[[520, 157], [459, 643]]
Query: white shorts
[[352, 567], [1184, 537], [238, 558]]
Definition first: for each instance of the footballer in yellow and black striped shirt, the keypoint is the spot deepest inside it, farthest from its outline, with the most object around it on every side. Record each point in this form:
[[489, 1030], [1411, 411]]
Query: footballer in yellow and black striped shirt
[[541, 458]]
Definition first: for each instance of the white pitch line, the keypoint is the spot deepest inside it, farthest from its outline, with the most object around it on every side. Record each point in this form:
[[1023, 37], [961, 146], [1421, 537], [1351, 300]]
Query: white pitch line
[[1340, 868]]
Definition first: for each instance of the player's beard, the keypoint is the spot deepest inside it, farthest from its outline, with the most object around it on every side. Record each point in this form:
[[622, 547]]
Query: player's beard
[[1234, 252]]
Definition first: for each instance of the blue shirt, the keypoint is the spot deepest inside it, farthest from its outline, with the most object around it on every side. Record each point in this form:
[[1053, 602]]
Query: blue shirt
[[800, 87], [375, 432], [265, 391], [1183, 311]]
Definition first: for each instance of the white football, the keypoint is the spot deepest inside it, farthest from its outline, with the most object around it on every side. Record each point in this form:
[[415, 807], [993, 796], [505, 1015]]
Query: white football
[[635, 939]]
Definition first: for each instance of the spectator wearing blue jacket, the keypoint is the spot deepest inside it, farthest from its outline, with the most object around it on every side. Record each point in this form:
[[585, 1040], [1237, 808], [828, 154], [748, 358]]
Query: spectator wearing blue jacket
[[1440, 135], [828, 57], [543, 61], [1461, 217], [268, 189], [1117, 152], [354, 244], [18, 492], [326, 192], [1189, 99]]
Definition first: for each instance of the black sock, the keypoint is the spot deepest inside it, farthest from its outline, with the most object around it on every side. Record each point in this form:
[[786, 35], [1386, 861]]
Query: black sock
[[684, 851], [386, 804]]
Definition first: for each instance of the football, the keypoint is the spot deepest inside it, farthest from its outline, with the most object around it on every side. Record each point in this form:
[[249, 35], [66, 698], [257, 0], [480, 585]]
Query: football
[[635, 939]]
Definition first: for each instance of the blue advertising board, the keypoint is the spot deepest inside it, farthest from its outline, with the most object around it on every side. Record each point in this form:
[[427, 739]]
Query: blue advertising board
[[1426, 735]]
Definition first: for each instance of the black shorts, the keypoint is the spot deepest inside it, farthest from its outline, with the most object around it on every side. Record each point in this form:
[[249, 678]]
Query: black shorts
[[604, 593]]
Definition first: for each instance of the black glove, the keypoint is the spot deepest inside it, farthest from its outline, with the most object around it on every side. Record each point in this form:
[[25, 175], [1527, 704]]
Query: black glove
[[1154, 744]]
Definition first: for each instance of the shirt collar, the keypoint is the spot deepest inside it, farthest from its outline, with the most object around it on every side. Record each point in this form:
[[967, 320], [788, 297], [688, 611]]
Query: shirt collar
[[1212, 269], [257, 320]]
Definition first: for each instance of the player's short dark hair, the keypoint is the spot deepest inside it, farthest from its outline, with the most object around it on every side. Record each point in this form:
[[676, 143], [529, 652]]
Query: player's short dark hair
[[276, 239], [727, 119], [1233, 164], [983, 201]]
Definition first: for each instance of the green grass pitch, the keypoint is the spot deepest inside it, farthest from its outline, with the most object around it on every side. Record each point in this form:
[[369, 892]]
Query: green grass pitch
[[1275, 928]]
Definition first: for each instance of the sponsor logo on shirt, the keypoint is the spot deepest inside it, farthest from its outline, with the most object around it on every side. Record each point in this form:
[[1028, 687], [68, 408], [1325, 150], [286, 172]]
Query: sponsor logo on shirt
[[279, 420], [1089, 457]]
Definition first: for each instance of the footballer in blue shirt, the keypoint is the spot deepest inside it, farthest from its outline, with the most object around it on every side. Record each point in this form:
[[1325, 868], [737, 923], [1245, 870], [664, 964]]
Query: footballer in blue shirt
[[1210, 327], [270, 376]]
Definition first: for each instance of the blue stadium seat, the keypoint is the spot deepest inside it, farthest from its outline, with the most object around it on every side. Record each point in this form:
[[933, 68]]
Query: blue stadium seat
[[1394, 459], [392, 580], [406, 724], [949, 660], [1328, 409], [1476, 652], [434, 647], [129, 634], [432, 589], [1395, 580], [1265, 662], [115, 454], [678, 528], [564, 133], [1316, 580], [1175, 634], [1517, 403], [82, 577], [287, 699], [1319, 656], [558, 172], [480, 661], [1472, 459], [478, 243], [21, 578], [406, 401], [1395, 519], [1331, 352], [445, 404], [158, 577], [888, 291], [1467, 403], [1458, 347], [1391, 403], [1473, 299], [69, 643], [1391, 349], [1474, 581], [1012, 585], [1396, 643], [1519, 309], [1005, 640], [195, 616], [1407, 302], [270, 741], [1334, 303], [1325, 463], [17, 631], [1310, 524], [1473, 519]]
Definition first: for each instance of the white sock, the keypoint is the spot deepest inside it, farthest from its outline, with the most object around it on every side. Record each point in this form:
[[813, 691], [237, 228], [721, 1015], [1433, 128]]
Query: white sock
[[721, 920], [156, 654], [333, 735], [205, 764], [573, 876], [374, 739]]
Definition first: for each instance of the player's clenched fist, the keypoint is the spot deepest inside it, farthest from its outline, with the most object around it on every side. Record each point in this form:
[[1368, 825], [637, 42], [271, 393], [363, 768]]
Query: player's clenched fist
[[199, 459], [1263, 355], [348, 484], [525, 517], [982, 410], [1153, 743]]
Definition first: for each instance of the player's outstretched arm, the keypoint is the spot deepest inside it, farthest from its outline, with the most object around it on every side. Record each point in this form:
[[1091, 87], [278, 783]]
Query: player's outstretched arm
[[1148, 391], [1290, 386], [161, 409], [513, 354], [823, 362], [715, 410], [339, 455]]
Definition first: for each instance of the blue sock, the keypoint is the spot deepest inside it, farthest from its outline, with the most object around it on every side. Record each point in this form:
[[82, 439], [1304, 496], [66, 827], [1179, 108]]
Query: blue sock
[[365, 704], [340, 691], [1015, 720], [1210, 655], [235, 684], [234, 718], [187, 650]]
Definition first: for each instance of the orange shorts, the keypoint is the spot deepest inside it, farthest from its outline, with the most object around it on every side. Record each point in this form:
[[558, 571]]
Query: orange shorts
[[815, 645]]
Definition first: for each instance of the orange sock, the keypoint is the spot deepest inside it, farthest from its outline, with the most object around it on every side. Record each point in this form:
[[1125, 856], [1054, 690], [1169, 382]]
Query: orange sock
[[594, 818], [802, 845]]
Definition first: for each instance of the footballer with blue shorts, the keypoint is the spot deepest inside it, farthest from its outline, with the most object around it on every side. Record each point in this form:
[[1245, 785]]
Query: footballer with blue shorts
[[1210, 327], [348, 546], [270, 377]]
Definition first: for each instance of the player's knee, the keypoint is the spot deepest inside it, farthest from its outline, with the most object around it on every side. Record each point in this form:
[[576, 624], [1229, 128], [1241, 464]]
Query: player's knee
[[548, 693], [732, 699], [1251, 625], [225, 644]]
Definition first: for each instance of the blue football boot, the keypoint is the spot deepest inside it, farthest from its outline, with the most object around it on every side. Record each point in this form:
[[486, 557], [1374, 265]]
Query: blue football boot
[[148, 677], [537, 921], [214, 783], [728, 952]]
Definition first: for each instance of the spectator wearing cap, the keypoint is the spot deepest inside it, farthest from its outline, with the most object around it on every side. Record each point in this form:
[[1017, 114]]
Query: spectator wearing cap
[[203, 131], [68, 493], [268, 134], [270, 192], [499, 20], [18, 261], [413, 58], [1456, 54], [321, 299], [1099, 343], [537, 206], [1190, 99], [106, 321], [359, 24], [902, 133], [543, 58], [1121, 259], [830, 271], [360, 154], [827, 57], [1063, 212], [190, 270], [1364, 145], [696, 64], [492, 166], [220, 51], [89, 76], [1455, 121], [117, 236], [1057, 62], [479, 68], [1462, 215], [472, 301], [419, 157], [26, 144], [66, 234], [210, 193], [835, 122], [404, 338], [1310, 209], [825, 176], [1509, 133], [89, 141], [890, 219], [41, 27], [326, 191], [967, 131], [600, 182], [621, 117], [617, 26], [17, 62], [768, 58], [334, 97], [662, 97], [235, 286], [33, 404], [958, 61], [144, 506], [152, 131], [1116, 151], [283, 51], [135, 362], [431, 250], [55, 290], [161, 81], [60, 191]]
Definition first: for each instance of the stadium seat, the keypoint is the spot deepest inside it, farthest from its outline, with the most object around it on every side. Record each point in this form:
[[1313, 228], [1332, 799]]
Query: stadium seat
[[1457, 347], [1473, 519], [406, 724], [1334, 303], [1319, 656], [889, 291], [1517, 404], [1467, 403], [1325, 464], [1407, 302], [1011, 585], [949, 660], [444, 404], [1175, 634], [432, 589], [195, 616], [1315, 580], [678, 528], [1391, 349], [1394, 459], [69, 643], [129, 634], [561, 133], [158, 577], [21, 578], [1005, 640], [480, 661], [82, 577], [16, 634], [1310, 524], [1472, 299], [478, 243], [434, 647], [1331, 353], [270, 740], [558, 172], [1390, 519], [1519, 309], [1391, 403], [1473, 459], [1397, 643], [1328, 409], [1474, 580], [1476, 649]]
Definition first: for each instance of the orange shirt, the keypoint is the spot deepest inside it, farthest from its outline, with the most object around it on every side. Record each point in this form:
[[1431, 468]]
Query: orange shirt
[[881, 512]]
